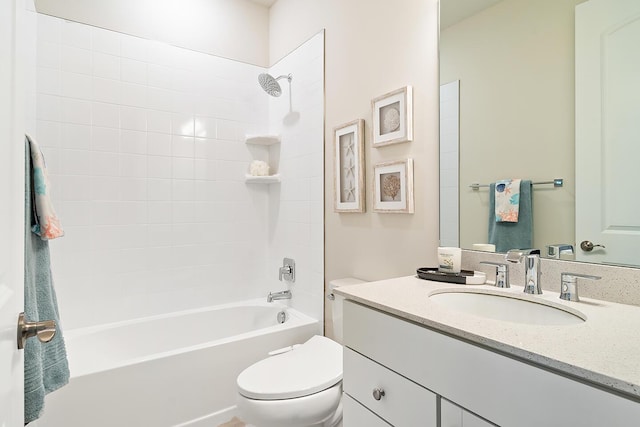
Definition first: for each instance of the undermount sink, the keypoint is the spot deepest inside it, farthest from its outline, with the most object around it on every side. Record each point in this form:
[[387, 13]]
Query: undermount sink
[[507, 308]]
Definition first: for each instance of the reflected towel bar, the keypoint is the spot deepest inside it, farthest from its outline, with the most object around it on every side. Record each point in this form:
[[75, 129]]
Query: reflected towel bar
[[557, 182]]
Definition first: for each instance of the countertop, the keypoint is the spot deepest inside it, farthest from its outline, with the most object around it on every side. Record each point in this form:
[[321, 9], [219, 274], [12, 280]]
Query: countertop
[[603, 350]]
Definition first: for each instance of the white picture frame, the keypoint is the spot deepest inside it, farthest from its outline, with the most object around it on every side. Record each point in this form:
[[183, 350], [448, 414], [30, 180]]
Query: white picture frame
[[393, 117], [349, 183], [393, 187]]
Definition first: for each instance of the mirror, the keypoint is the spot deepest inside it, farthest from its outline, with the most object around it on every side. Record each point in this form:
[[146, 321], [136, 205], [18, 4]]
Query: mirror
[[514, 63]]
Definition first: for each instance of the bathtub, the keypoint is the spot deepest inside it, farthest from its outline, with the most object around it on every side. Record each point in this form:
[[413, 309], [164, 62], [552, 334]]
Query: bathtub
[[177, 369]]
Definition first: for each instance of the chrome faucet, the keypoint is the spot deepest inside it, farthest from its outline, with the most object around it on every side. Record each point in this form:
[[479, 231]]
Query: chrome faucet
[[288, 270], [502, 274], [273, 296], [569, 286], [531, 258]]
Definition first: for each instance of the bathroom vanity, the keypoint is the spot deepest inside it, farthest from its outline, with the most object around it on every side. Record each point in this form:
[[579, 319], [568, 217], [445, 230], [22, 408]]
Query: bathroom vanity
[[411, 361]]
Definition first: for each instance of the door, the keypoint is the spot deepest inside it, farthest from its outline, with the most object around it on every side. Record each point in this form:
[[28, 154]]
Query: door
[[11, 215], [608, 130]]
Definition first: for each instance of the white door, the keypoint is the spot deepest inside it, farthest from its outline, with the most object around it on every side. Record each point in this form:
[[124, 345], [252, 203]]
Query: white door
[[11, 216], [608, 130]]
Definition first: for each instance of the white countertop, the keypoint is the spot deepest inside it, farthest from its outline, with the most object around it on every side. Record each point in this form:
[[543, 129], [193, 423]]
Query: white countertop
[[604, 350]]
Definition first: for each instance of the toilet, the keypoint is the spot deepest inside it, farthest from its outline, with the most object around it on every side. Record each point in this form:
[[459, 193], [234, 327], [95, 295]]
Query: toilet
[[301, 387]]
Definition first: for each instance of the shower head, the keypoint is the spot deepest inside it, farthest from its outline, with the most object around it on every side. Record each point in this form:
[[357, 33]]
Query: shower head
[[271, 85]]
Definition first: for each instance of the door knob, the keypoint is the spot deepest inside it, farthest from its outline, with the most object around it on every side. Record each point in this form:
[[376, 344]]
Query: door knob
[[588, 246], [45, 330], [378, 393]]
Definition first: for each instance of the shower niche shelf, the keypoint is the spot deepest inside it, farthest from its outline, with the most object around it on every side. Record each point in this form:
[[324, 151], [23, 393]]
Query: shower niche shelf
[[262, 139], [269, 179], [264, 147]]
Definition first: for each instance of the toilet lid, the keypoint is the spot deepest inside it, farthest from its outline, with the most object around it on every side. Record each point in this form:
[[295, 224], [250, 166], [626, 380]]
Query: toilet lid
[[312, 367]]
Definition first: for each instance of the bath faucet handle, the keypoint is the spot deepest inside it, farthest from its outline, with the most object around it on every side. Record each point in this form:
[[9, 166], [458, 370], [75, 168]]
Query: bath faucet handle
[[502, 273], [288, 270], [569, 286]]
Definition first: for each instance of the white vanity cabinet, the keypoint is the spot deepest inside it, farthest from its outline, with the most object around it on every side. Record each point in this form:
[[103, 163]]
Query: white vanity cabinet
[[473, 387]]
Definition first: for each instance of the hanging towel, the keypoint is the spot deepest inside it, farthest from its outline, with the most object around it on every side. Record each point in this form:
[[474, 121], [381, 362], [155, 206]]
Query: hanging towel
[[512, 235], [47, 225], [507, 195], [45, 365]]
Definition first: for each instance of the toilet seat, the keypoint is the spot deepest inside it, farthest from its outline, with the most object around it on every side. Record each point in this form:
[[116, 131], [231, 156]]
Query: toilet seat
[[310, 368]]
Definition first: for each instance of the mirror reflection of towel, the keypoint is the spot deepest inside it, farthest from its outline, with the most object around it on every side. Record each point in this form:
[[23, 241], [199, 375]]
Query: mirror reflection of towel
[[512, 235], [507, 195]]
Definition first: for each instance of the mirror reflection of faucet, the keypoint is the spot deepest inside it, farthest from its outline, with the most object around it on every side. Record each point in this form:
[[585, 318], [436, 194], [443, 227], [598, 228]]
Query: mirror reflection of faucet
[[531, 258]]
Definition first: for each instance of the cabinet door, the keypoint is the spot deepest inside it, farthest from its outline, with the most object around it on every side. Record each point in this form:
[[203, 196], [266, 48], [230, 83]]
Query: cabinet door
[[356, 415], [454, 416]]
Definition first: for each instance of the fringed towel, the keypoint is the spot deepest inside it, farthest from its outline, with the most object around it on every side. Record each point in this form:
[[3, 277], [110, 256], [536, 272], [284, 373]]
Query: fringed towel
[[45, 365], [507, 196]]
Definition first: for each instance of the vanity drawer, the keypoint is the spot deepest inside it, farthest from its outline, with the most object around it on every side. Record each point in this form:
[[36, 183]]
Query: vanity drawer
[[404, 403], [356, 415]]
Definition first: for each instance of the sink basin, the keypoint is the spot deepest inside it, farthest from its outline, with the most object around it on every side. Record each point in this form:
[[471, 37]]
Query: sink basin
[[507, 308]]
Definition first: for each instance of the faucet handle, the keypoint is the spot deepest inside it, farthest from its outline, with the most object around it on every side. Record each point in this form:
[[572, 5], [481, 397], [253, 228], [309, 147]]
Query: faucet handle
[[569, 286], [502, 273]]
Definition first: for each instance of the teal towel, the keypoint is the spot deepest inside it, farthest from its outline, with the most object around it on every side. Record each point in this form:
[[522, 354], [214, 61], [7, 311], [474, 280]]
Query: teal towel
[[45, 365], [512, 235]]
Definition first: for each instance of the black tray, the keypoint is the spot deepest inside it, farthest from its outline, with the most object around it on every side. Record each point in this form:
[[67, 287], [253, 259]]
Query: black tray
[[432, 273]]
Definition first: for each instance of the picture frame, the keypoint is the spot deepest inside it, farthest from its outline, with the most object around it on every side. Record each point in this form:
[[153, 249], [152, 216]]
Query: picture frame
[[393, 187], [349, 183], [393, 117]]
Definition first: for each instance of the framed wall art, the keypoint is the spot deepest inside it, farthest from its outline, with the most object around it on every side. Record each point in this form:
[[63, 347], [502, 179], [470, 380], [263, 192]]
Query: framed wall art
[[393, 117], [348, 183], [393, 187]]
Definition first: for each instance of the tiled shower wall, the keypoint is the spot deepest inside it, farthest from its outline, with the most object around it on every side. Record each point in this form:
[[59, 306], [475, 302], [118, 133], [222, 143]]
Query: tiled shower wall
[[145, 147], [296, 206]]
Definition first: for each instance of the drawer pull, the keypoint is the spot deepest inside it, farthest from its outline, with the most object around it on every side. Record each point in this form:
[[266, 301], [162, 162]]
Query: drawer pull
[[378, 393]]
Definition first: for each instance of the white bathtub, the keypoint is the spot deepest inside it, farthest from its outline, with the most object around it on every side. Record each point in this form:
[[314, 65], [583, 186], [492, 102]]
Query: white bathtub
[[171, 370]]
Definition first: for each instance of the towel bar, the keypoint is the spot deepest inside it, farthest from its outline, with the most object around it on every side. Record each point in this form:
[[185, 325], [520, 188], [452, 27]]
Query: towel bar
[[557, 182]]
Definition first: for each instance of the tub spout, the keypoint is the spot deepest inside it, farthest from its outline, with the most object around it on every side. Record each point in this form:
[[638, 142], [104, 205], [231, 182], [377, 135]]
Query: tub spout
[[273, 296]]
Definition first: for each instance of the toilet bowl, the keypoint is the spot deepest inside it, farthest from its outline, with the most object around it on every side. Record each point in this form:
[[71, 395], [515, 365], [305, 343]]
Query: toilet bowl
[[297, 388]]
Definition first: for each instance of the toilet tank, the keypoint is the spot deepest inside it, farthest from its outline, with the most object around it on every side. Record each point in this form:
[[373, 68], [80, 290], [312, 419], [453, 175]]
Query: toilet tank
[[336, 306]]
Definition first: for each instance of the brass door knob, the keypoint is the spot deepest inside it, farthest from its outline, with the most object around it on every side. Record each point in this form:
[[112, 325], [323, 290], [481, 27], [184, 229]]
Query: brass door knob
[[588, 246], [45, 330]]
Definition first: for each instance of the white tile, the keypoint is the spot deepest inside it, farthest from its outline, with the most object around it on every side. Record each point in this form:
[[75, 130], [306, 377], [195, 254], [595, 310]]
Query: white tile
[[105, 164], [49, 28], [76, 35], [106, 66], [106, 90], [183, 190], [182, 146], [76, 162], [206, 149], [182, 212], [48, 133], [158, 144], [74, 85], [158, 121], [159, 212], [133, 118], [159, 99], [159, 167], [183, 168], [75, 187], [133, 189], [134, 95], [134, 48], [228, 150], [105, 41], [133, 142], [105, 213], [106, 237], [107, 115], [159, 76], [48, 107], [182, 124], [228, 130], [182, 102], [106, 187], [205, 169], [134, 71], [48, 81], [49, 55], [159, 189], [105, 139], [75, 111], [205, 127], [75, 60], [75, 213], [159, 235], [133, 165], [76, 136]]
